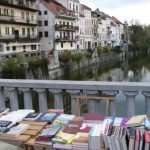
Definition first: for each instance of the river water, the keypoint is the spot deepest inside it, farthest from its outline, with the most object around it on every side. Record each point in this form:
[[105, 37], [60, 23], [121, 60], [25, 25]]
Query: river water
[[136, 69]]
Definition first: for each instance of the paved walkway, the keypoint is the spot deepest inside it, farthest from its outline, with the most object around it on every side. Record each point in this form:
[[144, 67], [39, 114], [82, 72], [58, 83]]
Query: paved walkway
[[4, 146]]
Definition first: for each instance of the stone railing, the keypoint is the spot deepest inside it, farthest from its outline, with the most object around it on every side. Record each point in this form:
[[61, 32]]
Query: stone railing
[[74, 88]]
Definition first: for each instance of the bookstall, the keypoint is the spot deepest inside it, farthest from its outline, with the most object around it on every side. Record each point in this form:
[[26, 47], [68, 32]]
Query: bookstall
[[56, 130]]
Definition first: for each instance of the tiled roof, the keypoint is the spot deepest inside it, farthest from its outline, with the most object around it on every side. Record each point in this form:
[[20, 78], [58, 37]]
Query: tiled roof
[[116, 20], [55, 7]]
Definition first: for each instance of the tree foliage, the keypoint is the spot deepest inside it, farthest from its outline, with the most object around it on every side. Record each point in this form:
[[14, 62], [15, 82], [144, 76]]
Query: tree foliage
[[65, 57], [99, 51], [77, 57]]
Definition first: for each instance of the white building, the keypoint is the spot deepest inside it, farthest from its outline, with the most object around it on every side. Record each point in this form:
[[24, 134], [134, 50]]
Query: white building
[[57, 26], [18, 28], [86, 27], [74, 6]]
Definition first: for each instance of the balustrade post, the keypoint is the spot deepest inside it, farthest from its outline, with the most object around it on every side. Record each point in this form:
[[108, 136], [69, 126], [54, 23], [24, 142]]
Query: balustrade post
[[130, 102], [92, 104], [2, 99], [147, 102], [112, 102], [73, 93], [13, 99], [27, 98], [58, 99], [42, 99]]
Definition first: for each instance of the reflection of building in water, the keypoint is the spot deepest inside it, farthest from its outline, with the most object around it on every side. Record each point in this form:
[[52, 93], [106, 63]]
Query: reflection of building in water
[[112, 75]]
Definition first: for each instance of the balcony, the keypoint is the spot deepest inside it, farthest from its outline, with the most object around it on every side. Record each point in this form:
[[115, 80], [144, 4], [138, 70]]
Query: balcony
[[10, 88], [66, 28], [13, 37], [17, 20], [28, 5], [65, 39]]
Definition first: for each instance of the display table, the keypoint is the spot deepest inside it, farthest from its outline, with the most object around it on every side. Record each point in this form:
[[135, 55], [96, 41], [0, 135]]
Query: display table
[[34, 129]]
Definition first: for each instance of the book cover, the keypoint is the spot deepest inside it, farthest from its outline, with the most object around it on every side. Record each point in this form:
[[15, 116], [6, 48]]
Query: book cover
[[85, 128], [33, 116], [88, 117], [4, 123], [59, 111], [63, 138], [81, 138], [48, 117], [124, 121], [49, 132], [136, 120], [59, 123], [65, 117]]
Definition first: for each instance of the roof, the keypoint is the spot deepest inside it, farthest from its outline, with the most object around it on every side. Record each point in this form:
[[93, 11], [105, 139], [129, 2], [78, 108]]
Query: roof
[[116, 20], [82, 6]]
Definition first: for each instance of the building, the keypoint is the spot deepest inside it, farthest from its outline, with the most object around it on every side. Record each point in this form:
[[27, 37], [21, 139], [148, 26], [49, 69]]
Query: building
[[57, 26], [94, 30], [74, 7], [18, 28], [86, 29]]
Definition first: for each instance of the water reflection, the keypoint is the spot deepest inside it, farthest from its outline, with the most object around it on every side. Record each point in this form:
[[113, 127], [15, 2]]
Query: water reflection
[[134, 70]]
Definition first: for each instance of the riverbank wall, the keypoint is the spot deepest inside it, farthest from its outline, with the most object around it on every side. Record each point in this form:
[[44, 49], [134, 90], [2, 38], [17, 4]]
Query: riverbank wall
[[60, 71]]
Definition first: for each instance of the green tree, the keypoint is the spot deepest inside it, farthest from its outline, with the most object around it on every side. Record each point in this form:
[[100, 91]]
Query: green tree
[[107, 49], [88, 56], [65, 57]]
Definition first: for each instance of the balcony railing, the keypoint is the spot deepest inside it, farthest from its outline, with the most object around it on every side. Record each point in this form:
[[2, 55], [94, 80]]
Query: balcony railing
[[11, 88], [14, 19], [19, 4], [66, 27], [66, 39], [16, 37]]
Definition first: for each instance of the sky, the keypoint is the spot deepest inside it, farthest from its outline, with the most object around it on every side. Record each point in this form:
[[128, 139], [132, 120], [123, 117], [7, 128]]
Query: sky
[[130, 10]]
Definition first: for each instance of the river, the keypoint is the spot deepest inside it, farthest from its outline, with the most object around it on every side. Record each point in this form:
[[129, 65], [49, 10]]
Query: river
[[136, 69]]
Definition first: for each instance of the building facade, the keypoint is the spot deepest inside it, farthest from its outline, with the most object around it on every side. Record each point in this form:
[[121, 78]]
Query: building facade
[[57, 26], [86, 34], [18, 28]]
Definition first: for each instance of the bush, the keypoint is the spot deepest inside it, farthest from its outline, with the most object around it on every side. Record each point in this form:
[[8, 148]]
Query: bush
[[107, 49], [99, 51], [65, 57], [77, 57], [90, 50], [116, 49]]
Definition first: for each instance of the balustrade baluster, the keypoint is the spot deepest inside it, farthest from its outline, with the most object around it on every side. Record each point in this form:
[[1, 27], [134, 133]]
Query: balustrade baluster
[[42, 99], [58, 99], [27, 98], [2, 99], [147, 102], [73, 93], [112, 102], [92, 104], [13, 99], [130, 102]]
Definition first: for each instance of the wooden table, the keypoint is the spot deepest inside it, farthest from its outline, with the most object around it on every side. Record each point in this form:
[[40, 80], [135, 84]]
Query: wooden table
[[33, 130]]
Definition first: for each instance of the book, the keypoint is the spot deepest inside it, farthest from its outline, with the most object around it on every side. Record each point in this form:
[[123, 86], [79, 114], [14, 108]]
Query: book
[[32, 116], [136, 121], [49, 132], [85, 128], [4, 125], [65, 117], [63, 138], [48, 117], [93, 118], [59, 123], [4, 111], [16, 130], [59, 111]]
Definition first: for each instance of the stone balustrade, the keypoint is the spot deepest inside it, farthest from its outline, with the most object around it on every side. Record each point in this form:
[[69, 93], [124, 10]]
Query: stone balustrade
[[75, 88]]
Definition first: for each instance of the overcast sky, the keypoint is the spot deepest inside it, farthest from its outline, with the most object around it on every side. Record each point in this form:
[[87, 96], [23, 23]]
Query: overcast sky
[[123, 9]]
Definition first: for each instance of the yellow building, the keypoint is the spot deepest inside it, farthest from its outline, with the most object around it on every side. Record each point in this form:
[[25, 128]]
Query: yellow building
[[18, 28]]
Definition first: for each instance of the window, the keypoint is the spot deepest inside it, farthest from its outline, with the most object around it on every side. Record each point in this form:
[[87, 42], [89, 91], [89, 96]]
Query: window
[[33, 31], [7, 30], [40, 23], [33, 47], [5, 12], [23, 31], [13, 30], [45, 12], [40, 13], [62, 45], [24, 46], [71, 44], [22, 15], [46, 23], [46, 33], [40, 34], [14, 48], [8, 48]]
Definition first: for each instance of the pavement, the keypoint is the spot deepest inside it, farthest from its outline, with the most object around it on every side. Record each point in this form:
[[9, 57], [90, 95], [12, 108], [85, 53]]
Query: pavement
[[5, 146]]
